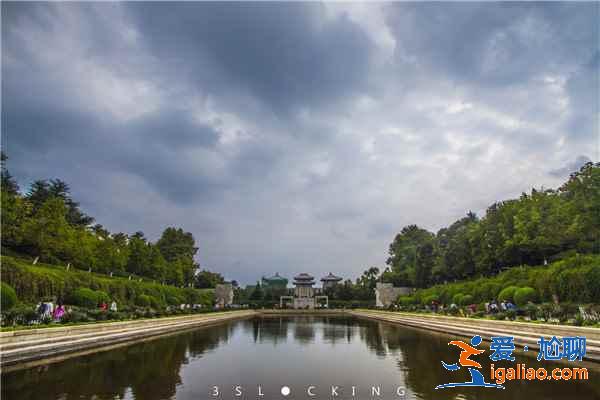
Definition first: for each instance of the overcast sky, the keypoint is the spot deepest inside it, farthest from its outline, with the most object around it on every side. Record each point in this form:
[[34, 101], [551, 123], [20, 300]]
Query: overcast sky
[[297, 137]]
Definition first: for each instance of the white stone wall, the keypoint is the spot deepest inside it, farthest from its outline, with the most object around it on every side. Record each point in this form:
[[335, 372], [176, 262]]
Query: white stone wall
[[224, 294], [386, 294], [304, 302]]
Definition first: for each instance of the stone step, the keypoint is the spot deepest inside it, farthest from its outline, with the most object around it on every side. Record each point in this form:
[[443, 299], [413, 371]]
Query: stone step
[[522, 338], [32, 350], [542, 331], [27, 334], [559, 330], [81, 341], [40, 339]]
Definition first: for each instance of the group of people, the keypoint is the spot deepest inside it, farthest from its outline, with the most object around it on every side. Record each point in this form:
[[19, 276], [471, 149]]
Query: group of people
[[113, 306], [48, 311], [493, 307]]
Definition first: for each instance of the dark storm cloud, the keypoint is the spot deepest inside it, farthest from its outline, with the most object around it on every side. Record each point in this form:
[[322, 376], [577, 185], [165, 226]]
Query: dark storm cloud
[[280, 52], [495, 43], [291, 136], [585, 110]]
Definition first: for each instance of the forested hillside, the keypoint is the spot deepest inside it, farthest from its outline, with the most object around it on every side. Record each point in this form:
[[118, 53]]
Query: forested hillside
[[535, 229], [46, 223]]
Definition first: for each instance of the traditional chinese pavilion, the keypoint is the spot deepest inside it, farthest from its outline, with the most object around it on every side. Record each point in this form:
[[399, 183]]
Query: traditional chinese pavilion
[[330, 281], [304, 293], [274, 282]]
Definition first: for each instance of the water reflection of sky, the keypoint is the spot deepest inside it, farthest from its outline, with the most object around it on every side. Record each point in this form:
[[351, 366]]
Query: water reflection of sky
[[272, 352]]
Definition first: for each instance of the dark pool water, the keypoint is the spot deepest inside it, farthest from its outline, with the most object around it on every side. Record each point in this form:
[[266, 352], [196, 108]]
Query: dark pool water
[[303, 353]]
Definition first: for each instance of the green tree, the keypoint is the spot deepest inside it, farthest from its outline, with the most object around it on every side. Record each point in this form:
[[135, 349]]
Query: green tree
[[139, 255], [47, 233], [582, 193], [179, 248], [206, 279], [257, 293], [8, 183], [425, 264], [16, 213], [365, 285], [60, 189], [454, 248], [404, 254]]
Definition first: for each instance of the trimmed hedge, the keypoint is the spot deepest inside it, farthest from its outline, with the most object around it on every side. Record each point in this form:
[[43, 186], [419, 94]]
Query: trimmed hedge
[[466, 300], [143, 300], [575, 279], [508, 294], [84, 297], [8, 297], [406, 300], [525, 295], [33, 283], [457, 298]]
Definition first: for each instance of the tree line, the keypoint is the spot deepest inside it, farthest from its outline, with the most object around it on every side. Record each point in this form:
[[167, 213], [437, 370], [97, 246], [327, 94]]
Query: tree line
[[47, 223], [535, 229]]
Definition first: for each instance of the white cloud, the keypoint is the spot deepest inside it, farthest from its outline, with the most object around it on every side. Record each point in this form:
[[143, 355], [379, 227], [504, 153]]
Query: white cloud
[[372, 19]]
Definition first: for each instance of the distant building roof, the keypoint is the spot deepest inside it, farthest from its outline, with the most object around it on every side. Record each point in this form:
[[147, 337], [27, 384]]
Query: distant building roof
[[304, 278], [331, 278], [276, 277]]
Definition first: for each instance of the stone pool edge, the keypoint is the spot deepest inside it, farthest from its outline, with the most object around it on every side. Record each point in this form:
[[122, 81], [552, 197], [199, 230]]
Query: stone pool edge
[[523, 333], [27, 348]]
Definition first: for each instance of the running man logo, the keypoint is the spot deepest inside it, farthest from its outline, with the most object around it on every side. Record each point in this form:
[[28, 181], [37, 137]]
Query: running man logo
[[464, 360]]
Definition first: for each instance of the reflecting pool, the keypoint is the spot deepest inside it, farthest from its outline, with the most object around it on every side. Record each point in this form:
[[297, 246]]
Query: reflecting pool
[[256, 358]]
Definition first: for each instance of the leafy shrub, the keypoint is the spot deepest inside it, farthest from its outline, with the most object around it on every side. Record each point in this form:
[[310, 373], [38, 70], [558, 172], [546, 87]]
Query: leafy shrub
[[155, 303], [565, 311], [524, 295], [75, 316], [466, 300], [84, 297], [174, 300], [511, 314], [102, 297], [8, 297], [427, 300], [143, 300], [547, 310], [507, 294], [32, 282], [98, 315], [501, 316], [486, 291], [406, 301], [532, 311], [593, 283], [581, 284], [116, 315], [19, 315], [457, 298], [543, 284]]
